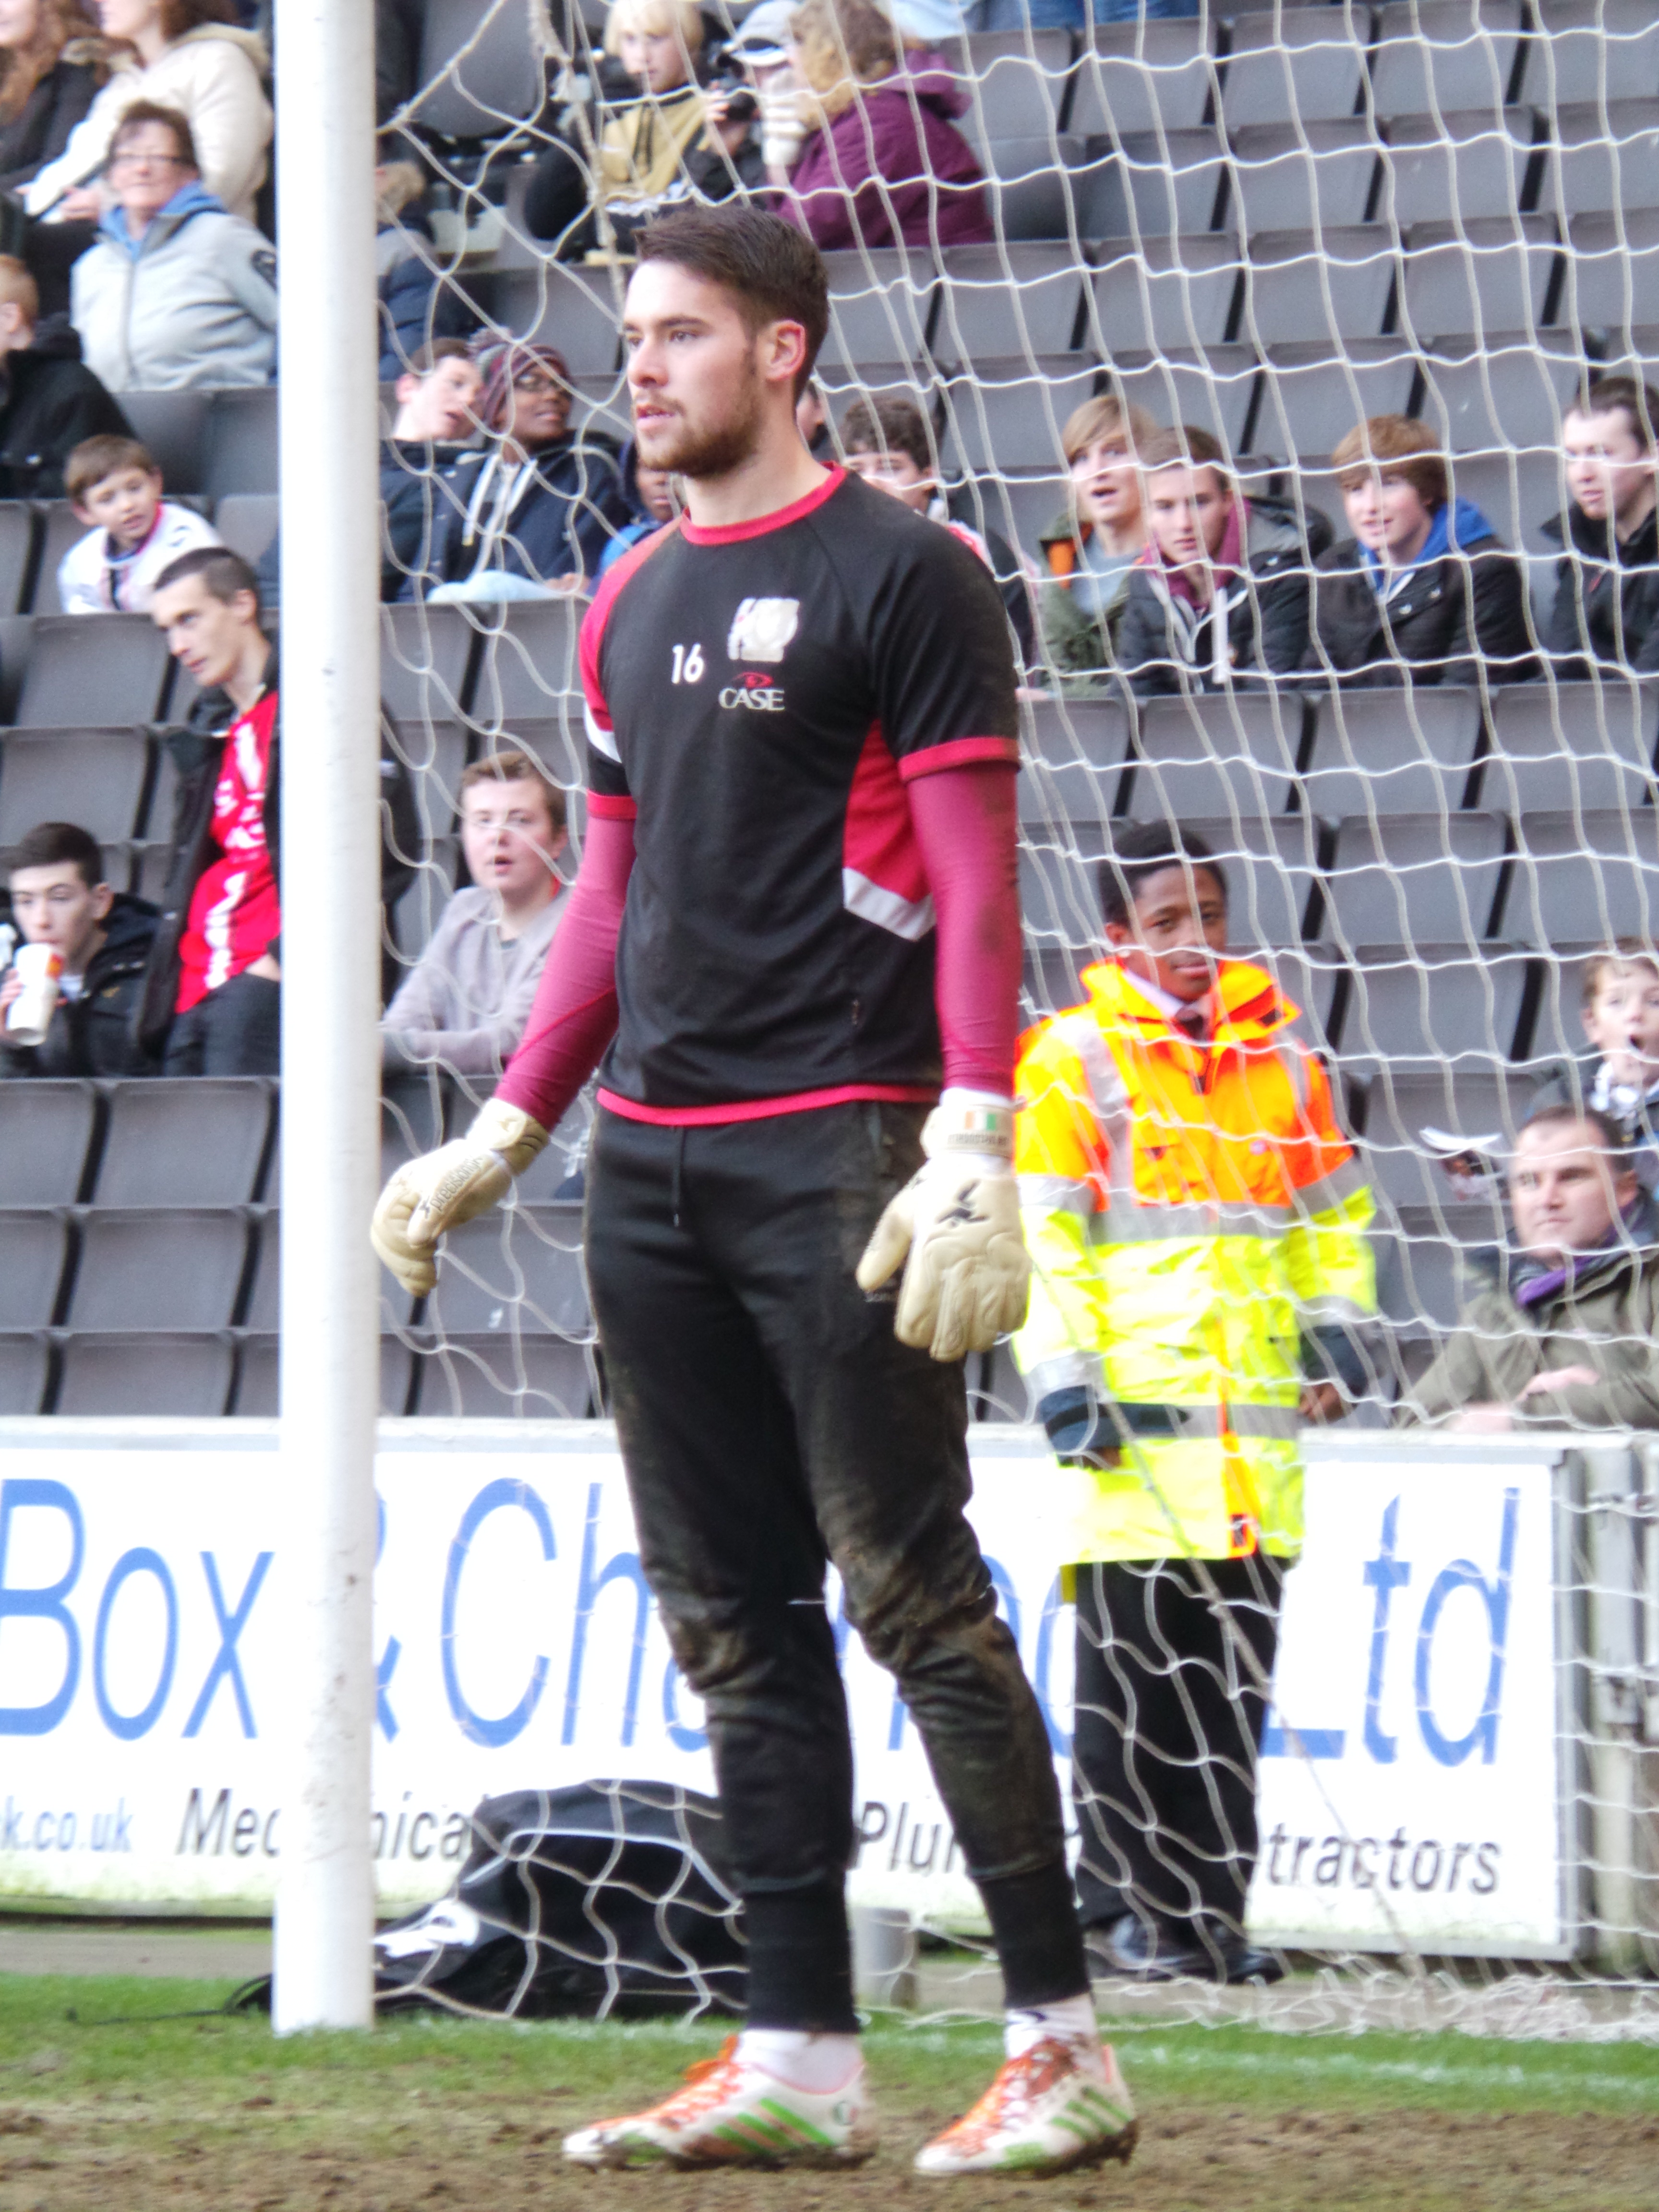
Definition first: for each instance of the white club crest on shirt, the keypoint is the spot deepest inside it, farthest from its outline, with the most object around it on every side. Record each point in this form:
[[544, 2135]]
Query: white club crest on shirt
[[761, 628]]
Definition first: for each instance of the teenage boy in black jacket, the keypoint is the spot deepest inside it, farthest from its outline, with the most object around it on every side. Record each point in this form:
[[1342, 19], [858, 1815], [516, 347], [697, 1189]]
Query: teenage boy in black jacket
[[212, 996], [1607, 581], [1424, 583], [50, 400], [60, 897]]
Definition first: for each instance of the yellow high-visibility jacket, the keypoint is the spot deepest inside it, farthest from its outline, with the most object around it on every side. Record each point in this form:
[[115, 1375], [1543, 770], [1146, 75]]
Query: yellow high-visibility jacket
[[1190, 1209]]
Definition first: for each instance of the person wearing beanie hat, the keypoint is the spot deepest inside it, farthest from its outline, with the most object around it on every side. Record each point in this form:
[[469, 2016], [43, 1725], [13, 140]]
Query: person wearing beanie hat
[[533, 510]]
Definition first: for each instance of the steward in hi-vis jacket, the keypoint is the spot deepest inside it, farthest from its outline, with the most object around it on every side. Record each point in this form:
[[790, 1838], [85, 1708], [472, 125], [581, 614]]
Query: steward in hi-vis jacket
[[1197, 1223]]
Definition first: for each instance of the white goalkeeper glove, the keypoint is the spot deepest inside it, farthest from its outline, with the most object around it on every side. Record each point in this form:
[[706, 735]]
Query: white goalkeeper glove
[[955, 1228], [441, 1189]]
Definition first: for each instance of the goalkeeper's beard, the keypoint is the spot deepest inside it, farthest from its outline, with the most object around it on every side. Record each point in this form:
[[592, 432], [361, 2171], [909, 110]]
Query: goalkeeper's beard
[[706, 450]]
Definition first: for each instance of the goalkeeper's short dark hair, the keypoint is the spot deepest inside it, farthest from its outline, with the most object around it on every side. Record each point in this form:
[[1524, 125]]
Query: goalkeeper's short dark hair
[[1144, 851], [772, 269]]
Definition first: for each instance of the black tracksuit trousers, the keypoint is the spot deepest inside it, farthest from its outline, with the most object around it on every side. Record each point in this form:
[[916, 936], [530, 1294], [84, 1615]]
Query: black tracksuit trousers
[[770, 1424], [1166, 1730]]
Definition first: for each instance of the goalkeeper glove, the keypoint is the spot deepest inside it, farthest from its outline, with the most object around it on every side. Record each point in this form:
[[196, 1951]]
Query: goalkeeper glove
[[441, 1189], [955, 1229], [1086, 1433]]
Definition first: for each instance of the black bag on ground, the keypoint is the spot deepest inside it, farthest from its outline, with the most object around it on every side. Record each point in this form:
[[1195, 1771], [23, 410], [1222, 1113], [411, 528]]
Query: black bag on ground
[[608, 1897]]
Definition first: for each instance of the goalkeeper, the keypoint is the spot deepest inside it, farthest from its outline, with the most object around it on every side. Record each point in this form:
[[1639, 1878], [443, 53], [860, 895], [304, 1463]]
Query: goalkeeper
[[796, 909], [1197, 1223]]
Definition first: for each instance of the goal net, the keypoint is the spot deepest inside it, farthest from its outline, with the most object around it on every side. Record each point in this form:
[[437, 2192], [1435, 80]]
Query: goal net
[[1267, 225]]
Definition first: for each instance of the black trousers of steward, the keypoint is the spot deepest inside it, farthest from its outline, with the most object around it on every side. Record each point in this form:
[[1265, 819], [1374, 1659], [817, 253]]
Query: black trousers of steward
[[771, 1424], [1165, 1737]]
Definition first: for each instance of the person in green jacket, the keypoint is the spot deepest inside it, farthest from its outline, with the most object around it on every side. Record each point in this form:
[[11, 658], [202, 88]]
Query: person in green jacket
[[1090, 548], [1567, 1334]]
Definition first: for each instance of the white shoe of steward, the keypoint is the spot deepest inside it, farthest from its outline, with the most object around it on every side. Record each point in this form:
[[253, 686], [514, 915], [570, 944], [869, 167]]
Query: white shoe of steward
[[1063, 2105], [732, 2112]]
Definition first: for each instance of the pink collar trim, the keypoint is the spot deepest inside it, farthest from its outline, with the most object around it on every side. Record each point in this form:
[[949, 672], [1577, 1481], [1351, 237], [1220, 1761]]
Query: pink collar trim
[[732, 533]]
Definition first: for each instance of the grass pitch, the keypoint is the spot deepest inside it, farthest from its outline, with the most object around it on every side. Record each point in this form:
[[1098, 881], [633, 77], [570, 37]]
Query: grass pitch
[[214, 2115]]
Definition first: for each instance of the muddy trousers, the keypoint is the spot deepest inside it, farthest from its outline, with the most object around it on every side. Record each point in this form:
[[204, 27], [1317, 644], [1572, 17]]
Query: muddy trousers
[[1165, 1735], [771, 1425]]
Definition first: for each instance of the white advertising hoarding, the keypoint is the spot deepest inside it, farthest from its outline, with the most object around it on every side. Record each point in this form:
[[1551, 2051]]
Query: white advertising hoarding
[[1412, 1789]]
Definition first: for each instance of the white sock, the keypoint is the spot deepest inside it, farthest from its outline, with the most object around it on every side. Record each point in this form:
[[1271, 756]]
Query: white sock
[[1073, 2019], [820, 2064]]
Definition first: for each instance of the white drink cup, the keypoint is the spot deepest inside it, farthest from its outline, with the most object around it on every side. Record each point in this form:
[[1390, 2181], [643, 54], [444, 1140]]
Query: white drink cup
[[29, 1016]]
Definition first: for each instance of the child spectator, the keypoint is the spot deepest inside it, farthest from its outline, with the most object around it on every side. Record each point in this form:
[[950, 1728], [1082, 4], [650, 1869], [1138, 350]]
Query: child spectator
[[116, 487], [1423, 585], [53, 62], [1221, 591], [464, 1005], [1607, 581], [868, 154], [886, 442], [1090, 549], [1618, 1073], [177, 292], [190, 56], [652, 149], [533, 512], [60, 897], [49, 402], [212, 994], [650, 492]]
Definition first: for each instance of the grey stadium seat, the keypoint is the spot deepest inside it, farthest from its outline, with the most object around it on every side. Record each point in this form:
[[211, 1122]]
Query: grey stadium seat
[[1401, 1102], [178, 1270], [1163, 293], [93, 777], [1331, 286], [1478, 164], [263, 1310], [556, 306], [1585, 877], [1404, 751], [1417, 876], [1574, 746], [434, 753], [258, 1370], [881, 304], [1438, 57], [1519, 493], [1593, 49], [1612, 270], [1292, 176], [479, 76], [1313, 395], [1009, 414], [1030, 185], [426, 654], [147, 1373], [535, 1378], [1505, 393], [23, 1364], [196, 1140], [17, 536], [45, 1130], [1420, 1272], [1152, 187], [1018, 81], [1214, 391], [515, 1271], [1215, 755], [246, 521], [973, 318], [60, 528], [173, 425], [35, 1243], [1144, 78], [91, 675], [1435, 1003], [1308, 67], [529, 664], [1605, 159], [1475, 275], [241, 452]]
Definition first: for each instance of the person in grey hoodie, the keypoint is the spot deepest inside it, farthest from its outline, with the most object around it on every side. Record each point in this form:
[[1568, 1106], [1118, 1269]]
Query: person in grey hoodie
[[177, 291]]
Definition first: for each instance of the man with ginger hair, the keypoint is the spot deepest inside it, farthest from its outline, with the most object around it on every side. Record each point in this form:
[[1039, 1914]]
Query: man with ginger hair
[[1424, 583], [50, 401]]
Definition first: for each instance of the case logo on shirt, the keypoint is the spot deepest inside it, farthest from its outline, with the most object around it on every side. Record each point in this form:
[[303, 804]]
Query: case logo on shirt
[[761, 628], [756, 691]]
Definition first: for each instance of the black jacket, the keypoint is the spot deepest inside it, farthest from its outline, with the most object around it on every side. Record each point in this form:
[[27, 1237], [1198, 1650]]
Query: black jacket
[[567, 510], [49, 402], [1607, 597], [412, 494], [40, 130], [97, 1034], [1450, 611], [198, 751], [1161, 649]]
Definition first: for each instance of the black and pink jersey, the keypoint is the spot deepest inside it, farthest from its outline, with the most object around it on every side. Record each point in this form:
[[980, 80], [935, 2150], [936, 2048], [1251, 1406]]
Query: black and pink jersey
[[757, 698]]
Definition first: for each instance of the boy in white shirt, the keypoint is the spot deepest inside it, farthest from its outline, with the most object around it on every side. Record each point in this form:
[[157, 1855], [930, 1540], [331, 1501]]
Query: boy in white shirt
[[115, 486]]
